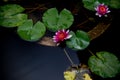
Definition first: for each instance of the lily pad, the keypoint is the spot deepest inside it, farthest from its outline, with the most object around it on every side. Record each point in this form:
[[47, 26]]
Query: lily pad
[[54, 21], [104, 64], [11, 16], [90, 4], [115, 4], [78, 41], [30, 32], [107, 2], [112, 3]]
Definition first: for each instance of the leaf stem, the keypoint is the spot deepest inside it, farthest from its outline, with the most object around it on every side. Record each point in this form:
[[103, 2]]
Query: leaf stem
[[82, 23], [40, 6], [68, 57], [91, 52]]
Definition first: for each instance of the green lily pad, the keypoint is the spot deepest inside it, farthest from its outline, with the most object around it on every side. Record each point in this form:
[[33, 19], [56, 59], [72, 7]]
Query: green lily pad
[[104, 64], [90, 4], [112, 3], [106, 2], [78, 41], [115, 4], [30, 32], [54, 21], [11, 16], [13, 21]]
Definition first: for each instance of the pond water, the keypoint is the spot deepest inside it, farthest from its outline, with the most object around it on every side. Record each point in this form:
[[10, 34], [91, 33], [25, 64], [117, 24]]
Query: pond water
[[21, 60]]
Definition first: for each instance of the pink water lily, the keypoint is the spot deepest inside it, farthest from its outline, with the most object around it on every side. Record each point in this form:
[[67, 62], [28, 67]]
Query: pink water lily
[[61, 35], [102, 10]]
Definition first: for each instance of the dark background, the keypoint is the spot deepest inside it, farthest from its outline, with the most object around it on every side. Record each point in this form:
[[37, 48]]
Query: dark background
[[22, 60]]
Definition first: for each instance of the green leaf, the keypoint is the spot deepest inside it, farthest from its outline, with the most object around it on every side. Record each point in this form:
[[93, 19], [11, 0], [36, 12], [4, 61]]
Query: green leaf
[[115, 4], [30, 32], [112, 3], [50, 18], [90, 4], [10, 9], [38, 31], [10, 15], [79, 41], [104, 64], [106, 2], [13, 21], [54, 21], [65, 19]]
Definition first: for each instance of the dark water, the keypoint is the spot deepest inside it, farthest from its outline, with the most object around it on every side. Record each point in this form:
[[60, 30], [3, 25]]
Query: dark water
[[22, 60]]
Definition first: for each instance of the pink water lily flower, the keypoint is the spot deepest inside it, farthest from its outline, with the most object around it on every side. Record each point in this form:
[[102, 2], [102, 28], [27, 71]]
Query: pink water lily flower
[[61, 35], [102, 10]]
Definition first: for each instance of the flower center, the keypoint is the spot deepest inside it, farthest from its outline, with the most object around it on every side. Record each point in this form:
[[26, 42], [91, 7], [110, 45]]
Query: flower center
[[102, 9], [61, 36]]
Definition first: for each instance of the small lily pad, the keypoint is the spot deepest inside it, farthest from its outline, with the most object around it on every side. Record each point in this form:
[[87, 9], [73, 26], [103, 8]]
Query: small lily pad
[[54, 21], [115, 4], [30, 32], [104, 64], [11, 15], [90, 4], [78, 41]]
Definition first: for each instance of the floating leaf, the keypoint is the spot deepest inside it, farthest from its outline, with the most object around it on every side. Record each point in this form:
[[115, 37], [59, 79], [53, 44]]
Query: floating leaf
[[106, 2], [11, 9], [65, 19], [30, 32], [104, 64], [10, 15], [78, 41], [55, 21], [13, 21], [111, 3], [115, 4], [90, 4]]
